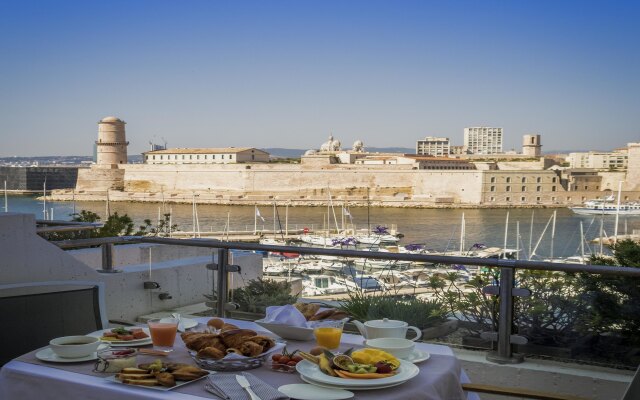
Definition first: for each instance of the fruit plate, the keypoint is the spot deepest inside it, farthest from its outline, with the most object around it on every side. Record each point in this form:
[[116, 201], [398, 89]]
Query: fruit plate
[[113, 379], [311, 371], [127, 343], [288, 331]]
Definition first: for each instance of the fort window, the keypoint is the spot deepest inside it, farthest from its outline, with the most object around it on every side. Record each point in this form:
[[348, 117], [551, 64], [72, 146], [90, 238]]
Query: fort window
[[493, 179], [583, 198], [524, 180], [523, 199], [586, 187], [537, 198], [492, 198], [508, 198], [508, 180], [553, 188], [538, 180], [508, 188], [538, 188], [524, 188], [568, 198], [493, 188], [553, 180]]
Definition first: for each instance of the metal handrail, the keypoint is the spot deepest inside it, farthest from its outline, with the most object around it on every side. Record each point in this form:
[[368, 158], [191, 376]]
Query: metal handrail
[[505, 291]]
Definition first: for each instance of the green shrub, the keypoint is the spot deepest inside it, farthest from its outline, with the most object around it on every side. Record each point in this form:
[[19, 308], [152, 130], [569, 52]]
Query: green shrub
[[260, 293], [416, 312]]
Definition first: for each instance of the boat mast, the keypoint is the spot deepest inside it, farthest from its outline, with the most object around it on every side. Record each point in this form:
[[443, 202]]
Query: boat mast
[[531, 231], [506, 232], [6, 203], [517, 240], [615, 234], [368, 220], [582, 241], [462, 234], [44, 199], [553, 232]]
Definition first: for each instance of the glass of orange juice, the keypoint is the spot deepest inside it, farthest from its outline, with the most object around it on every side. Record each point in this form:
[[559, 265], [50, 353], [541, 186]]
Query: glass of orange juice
[[328, 333], [163, 333]]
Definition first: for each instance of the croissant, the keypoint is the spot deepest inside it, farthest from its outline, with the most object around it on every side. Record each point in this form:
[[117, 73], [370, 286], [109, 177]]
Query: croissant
[[323, 314], [251, 349], [211, 352], [264, 341], [202, 341], [228, 327], [236, 337]]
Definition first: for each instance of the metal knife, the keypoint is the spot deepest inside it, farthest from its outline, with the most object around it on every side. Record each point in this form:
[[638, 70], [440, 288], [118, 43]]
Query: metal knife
[[246, 386]]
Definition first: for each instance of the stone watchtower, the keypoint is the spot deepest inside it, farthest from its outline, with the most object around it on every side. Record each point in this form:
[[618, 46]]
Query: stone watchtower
[[111, 146], [531, 145], [111, 159]]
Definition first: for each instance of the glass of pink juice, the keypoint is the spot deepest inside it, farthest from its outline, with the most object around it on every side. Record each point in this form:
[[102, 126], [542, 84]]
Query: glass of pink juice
[[163, 332]]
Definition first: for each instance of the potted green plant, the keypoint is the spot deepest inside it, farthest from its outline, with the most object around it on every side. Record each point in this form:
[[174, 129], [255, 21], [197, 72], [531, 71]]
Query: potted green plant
[[257, 295]]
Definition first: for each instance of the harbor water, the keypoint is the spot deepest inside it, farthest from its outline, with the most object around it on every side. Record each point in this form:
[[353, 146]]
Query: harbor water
[[437, 229]]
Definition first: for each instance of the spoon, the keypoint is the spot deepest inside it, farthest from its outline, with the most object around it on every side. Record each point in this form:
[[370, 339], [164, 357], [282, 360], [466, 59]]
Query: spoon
[[180, 324]]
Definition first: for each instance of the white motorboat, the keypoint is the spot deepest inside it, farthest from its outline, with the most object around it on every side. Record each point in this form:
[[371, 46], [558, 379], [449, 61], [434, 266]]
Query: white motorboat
[[601, 207], [322, 285]]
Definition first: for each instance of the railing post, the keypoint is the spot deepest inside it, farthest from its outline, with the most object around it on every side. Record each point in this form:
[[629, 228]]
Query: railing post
[[107, 258], [504, 353], [221, 281]]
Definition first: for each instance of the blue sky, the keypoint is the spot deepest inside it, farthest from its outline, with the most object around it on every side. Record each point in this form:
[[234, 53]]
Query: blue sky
[[289, 73]]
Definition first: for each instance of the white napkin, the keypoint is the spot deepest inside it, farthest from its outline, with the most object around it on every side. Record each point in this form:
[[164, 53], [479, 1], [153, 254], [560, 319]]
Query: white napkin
[[286, 315]]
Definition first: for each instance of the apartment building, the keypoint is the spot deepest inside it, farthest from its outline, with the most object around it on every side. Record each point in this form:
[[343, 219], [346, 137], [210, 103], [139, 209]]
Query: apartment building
[[433, 146], [616, 160], [483, 140]]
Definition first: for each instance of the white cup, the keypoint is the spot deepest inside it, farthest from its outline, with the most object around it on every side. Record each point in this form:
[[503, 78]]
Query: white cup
[[401, 348], [74, 346]]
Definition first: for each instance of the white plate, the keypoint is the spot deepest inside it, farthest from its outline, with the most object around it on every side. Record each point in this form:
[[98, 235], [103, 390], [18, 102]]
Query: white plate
[[314, 392], [113, 379], [187, 323], [345, 387], [406, 371], [48, 355], [124, 343], [418, 356]]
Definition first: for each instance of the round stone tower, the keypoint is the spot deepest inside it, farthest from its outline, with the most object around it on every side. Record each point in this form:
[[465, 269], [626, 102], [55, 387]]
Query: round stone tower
[[531, 145], [111, 146]]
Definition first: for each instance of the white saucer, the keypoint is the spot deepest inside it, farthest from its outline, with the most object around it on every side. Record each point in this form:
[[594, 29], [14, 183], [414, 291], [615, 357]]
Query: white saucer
[[48, 355], [417, 356], [302, 391]]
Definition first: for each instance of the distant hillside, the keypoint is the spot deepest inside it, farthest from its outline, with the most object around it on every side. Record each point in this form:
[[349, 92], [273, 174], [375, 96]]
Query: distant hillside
[[296, 153]]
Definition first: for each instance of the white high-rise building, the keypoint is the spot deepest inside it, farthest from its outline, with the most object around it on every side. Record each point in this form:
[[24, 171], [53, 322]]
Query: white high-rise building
[[483, 140], [433, 146]]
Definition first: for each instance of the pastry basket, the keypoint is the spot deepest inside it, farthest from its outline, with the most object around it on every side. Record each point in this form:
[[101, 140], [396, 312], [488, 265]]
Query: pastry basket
[[235, 362]]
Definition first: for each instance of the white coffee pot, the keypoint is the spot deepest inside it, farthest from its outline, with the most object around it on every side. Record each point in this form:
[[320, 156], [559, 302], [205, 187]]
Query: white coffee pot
[[386, 328]]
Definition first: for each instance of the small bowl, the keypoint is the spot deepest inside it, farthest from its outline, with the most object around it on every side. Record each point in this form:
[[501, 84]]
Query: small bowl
[[74, 346], [401, 348], [290, 369], [115, 360]]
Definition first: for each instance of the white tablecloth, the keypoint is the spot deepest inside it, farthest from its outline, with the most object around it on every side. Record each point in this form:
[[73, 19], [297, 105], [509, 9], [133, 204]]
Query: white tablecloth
[[22, 380]]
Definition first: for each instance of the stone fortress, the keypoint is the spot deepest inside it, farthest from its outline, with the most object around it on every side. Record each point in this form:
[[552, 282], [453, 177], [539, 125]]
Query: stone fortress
[[247, 176]]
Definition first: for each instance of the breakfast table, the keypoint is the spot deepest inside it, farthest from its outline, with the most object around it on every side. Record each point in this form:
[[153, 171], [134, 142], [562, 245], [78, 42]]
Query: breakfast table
[[29, 377]]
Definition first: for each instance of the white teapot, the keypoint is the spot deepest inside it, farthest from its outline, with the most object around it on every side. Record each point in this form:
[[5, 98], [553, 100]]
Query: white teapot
[[386, 328]]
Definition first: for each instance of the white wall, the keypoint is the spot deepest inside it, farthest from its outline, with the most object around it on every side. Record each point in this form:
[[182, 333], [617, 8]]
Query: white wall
[[26, 257]]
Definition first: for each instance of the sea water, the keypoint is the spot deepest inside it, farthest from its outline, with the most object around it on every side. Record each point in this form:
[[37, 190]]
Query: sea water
[[436, 229]]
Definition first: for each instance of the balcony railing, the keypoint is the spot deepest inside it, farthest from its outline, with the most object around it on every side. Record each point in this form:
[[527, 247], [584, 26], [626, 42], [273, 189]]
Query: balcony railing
[[500, 285]]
